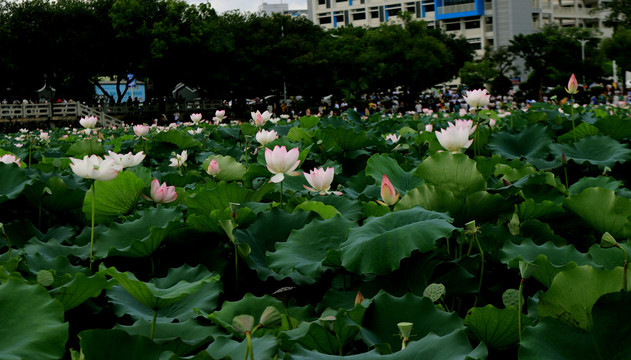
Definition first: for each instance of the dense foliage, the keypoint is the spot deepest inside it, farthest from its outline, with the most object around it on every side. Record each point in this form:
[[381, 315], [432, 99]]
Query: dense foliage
[[490, 252]]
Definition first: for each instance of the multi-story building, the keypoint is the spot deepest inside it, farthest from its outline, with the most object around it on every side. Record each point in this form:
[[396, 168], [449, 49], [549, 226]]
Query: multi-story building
[[281, 8], [484, 23]]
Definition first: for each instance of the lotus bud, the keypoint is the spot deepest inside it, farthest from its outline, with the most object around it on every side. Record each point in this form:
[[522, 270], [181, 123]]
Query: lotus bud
[[359, 298], [608, 241], [513, 225], [388, 193], [563, 159], [242, 324], [572, 85], [492, 123], [527, 269], [271, 318], [213, 168]]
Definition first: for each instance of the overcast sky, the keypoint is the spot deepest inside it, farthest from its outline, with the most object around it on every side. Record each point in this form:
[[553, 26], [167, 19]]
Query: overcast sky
[[249, 5]]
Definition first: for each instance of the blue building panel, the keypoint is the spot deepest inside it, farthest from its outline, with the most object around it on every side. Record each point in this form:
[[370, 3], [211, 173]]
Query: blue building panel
[[477, 11]]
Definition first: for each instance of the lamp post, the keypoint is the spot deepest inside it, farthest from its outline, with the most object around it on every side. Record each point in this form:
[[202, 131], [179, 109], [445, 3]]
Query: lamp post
[[583, 42]]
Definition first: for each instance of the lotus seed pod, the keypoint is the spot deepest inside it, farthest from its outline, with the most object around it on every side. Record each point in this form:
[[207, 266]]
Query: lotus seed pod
[[242, 324], [608, 241], [513, 225], [45, 278], [271, 317], [434, 291], [405, 328], [527, 269], [510, 297]]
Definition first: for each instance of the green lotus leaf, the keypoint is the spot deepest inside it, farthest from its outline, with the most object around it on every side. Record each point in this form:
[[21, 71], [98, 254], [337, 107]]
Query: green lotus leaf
[[601, 181], [349, 208], [601, 151], [325, 211], [607, 339], [32, 325], [329, 335], [180, 337], [137, 238], [231, 170], [456, 173], [529, 209], [306, 249], [580, 131], [379, 165], [550, 259], [615, 126], [265, 347], [381, 243], [61, 198], [80, 289], [497, 328], [269, 228], [343, 138], [178, 138], [611, 257], [308, 122], [248, 305], [159, 293], [53, 255], [14, 180], [298, 134], [102, 344], [573, 293], [603, 210], [379, 326], [85, 147], [114, 197], [531, 142]]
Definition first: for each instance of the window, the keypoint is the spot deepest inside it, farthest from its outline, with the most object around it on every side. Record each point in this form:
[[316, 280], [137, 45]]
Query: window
[[472, 24], [324, 18], [429, 8], [358, 14], [393, 10], [339, 16], [374, 12], [410, 7], [321, 2], [452, 26]]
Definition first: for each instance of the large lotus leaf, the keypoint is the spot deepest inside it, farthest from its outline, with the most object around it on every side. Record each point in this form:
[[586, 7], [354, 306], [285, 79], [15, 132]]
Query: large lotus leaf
[[346, 138], [61, 198], [325, 211], [603, 210], [379, 327], [497, 328], [81, 288], [379, 165], [270, 227], [550, 259], [307, 122], [178, 138], [529, 209], [32, 325], [14, 180], [114, 197], [330, 334], [607, 340], [618, 127], [101, 344], [611, 257], [231, 170], [51, 254], [349, 208], [139, 237], [381, 243], [248, 305], [580, 131], [203, 300], [159, 293], [454, 172], [597, 150], [265, 347], [453, 346], [85, 147], [179, 337], [298, 134], [573, 293], [531, 142], [204, 201], [601, 181], [306, 249], [429, 197]]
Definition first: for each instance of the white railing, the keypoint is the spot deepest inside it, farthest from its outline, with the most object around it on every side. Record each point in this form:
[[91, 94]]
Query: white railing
[[455, 8]]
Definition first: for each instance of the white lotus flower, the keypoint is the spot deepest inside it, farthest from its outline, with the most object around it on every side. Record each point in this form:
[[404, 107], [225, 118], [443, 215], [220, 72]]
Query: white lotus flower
[[96, 168]]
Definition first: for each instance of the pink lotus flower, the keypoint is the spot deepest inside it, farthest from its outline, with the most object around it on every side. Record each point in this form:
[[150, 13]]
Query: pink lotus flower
[[455, 138], [393, 137], [281, 162], [213, 168], [220, 115], [196, 118], [161, 194], [429, 127], [388, 193], [9, 159], [321, 180], [572, 85], [44, 136], [260, 119], [477, 98], [179, 159], [468, 124], [126, 160], [141, 130], [264, 136], [88, 122], [492, 123]]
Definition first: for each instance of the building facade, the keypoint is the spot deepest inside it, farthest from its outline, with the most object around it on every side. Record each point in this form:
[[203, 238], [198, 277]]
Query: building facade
[[484, 23], [281, 8]]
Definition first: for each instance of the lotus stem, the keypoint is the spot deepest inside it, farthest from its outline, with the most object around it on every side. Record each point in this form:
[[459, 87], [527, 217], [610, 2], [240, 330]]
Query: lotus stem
[[281, 194], [248, 348], [481, 262], [572, 116], [153, 324], [625, 267], [92, 227], [520, 305], [236, 266]]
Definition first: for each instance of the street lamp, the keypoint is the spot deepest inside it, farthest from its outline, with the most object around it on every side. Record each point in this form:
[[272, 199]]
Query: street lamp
[[583, 42]]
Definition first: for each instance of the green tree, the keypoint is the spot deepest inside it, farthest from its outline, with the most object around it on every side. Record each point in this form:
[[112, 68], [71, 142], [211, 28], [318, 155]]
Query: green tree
[[618, 13], [618, 48]]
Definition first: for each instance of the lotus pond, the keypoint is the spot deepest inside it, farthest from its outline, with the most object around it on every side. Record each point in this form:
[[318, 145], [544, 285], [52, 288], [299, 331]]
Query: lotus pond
[[514, 246]]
